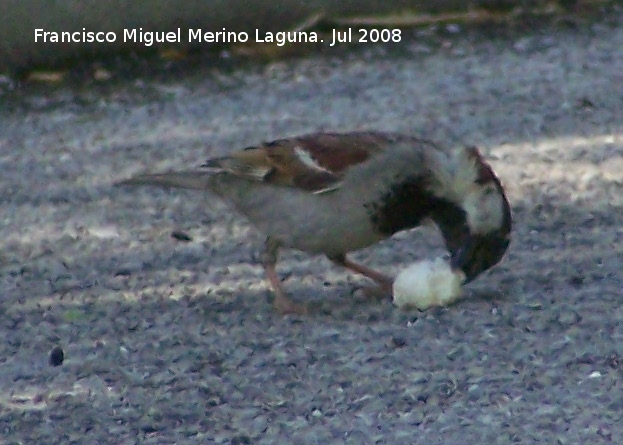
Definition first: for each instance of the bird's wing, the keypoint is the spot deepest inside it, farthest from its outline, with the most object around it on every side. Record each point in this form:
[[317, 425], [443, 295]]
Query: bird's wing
[[315, 162]]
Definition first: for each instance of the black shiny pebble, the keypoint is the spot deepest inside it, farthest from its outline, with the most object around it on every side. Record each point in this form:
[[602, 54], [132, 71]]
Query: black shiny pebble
[[57, 355], [181, 236]]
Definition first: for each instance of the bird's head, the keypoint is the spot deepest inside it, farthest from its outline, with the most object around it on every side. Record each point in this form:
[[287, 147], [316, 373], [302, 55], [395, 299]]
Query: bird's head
[[480, 253], [477, 231]]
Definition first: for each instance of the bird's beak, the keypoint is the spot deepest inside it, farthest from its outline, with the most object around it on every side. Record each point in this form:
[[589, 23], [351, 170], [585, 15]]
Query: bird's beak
[[463, 257], [479, 253]]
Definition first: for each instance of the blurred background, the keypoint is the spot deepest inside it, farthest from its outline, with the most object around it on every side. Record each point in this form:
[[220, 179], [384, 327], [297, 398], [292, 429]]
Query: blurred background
[[21, 51]]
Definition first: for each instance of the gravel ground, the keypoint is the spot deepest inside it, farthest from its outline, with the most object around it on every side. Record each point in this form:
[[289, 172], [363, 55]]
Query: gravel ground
[[169, 340]]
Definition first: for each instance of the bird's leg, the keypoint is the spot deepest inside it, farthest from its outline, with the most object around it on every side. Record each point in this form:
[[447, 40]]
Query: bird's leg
[[384, 282], [282, 303]]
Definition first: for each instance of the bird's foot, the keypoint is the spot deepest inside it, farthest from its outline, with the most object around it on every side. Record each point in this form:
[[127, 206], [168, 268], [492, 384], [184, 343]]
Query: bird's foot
[[283, 305], [378, 292], [384, 282]]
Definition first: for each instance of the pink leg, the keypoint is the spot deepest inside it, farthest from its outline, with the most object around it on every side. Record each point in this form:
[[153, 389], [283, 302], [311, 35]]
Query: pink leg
[[282, 303], [384, 282]]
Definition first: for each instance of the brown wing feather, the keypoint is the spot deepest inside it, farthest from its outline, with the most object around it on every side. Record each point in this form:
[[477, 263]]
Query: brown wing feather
[[314, 162], [338, 152]]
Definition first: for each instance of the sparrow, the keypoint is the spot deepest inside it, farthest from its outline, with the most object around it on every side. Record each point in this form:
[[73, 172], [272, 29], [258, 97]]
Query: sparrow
[[334, 193]]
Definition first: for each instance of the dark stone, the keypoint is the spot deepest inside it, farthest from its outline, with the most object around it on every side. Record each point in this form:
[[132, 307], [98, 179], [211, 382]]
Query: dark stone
[[398, 342], [181, 236], [57, 356]]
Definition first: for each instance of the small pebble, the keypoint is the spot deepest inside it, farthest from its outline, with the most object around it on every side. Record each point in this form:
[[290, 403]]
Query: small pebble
[[57, 355], [181, 236], [398, 342]]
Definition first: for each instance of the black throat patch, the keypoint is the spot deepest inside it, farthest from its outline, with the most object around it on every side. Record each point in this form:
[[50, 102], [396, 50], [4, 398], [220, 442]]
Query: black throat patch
[[409, 202]]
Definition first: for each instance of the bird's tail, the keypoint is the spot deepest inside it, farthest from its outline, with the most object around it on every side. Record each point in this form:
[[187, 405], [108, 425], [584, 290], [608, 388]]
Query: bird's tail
[[191, 179]]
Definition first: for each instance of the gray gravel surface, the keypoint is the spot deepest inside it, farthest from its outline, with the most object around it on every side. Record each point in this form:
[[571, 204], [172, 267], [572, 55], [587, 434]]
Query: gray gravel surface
[[167, 340]]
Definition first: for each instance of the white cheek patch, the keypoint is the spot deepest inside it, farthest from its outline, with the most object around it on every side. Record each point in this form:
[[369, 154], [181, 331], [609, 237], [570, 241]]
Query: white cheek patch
[[484, 208], [483, 204]]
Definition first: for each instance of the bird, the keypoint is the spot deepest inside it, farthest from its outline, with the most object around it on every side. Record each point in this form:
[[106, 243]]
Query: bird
[[335, 193]]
